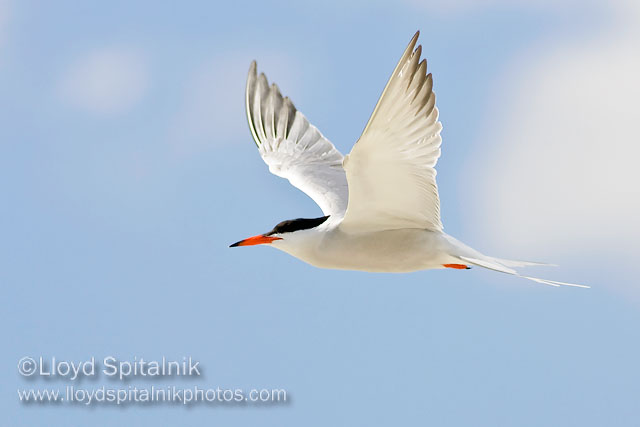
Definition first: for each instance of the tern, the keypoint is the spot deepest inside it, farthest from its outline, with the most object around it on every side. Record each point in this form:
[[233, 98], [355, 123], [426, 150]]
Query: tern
[[380, 202]]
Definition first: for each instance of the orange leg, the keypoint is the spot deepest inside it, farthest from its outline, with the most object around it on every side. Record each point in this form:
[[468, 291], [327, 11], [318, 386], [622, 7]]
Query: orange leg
[[456, 266]]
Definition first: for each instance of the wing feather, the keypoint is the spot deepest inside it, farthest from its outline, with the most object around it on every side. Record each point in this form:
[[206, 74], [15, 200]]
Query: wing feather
[[292, 147], [391, 169]]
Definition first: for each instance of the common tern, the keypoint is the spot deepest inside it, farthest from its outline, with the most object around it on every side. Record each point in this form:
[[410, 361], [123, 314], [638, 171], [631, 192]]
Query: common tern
[[380, 202]]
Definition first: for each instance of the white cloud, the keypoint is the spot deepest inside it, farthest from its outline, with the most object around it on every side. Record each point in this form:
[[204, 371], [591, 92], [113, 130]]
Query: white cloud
[[561, 166], [106, 81]]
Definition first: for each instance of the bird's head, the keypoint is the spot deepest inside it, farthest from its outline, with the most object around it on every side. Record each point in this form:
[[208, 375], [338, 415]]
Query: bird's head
[[282, 231]]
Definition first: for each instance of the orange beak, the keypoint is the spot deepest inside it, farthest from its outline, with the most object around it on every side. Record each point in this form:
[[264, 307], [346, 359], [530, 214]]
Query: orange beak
[[255, 240]]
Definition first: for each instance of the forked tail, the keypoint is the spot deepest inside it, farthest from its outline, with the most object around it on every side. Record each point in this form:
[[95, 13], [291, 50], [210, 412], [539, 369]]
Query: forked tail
[[504, 266]]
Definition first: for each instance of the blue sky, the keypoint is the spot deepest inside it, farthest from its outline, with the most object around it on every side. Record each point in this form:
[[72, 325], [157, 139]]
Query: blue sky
[[127, 168]]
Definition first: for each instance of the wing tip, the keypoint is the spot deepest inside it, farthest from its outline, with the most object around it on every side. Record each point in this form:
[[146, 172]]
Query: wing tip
[[250, 93], [418, 51], [412, 43], [275, 89], [253, 68]]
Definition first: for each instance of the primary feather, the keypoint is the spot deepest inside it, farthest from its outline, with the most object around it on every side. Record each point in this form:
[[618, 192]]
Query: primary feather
[[292, 147], [391, 169]]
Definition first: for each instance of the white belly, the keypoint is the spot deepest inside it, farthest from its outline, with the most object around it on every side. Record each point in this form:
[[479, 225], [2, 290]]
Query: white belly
[[398, 251]]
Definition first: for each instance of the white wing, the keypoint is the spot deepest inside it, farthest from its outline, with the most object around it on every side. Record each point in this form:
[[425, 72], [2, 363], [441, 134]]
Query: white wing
[[390, 170], [293, 148]]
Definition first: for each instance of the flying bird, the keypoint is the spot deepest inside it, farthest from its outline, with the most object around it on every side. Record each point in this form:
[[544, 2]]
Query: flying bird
[[380, 202]]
